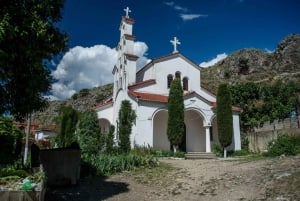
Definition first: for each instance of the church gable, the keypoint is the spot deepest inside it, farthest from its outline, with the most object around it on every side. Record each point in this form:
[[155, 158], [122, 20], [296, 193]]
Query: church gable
[[167, 68]]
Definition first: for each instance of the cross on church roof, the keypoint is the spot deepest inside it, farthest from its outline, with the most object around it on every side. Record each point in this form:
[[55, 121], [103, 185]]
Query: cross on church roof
[[175, 42], [127, 10]]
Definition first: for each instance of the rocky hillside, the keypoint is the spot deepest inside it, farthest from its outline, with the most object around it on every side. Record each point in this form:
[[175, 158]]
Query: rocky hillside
[[241, 66], [255, 65], [81, 101]]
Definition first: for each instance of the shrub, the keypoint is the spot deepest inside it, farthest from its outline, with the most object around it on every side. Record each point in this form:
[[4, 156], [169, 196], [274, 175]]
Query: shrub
[[105, 164], [285, 144], [5, 172], [217, 150]]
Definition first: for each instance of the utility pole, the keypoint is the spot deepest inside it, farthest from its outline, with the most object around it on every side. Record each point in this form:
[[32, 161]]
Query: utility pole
[[27, 136]]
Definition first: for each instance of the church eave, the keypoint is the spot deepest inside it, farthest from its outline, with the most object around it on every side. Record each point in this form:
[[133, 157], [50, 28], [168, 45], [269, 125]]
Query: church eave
[[129, 37], [142, 84], [128, 20], [131, 56]]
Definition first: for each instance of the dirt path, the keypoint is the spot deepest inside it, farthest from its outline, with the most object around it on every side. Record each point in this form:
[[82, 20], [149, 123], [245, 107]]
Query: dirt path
[[209, 179]]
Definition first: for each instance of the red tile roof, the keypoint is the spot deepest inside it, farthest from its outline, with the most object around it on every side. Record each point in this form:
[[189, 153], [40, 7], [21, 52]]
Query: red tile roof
[[234, 108], [110, 101], [149, 96], [141, 84], [131, 56]]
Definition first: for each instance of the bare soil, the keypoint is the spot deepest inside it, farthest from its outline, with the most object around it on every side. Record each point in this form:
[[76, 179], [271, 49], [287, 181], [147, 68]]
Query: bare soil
[[231, 179]]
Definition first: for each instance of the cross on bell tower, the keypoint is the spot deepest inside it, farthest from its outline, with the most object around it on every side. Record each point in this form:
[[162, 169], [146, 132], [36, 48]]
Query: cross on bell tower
[[127, 10], [175, 42]]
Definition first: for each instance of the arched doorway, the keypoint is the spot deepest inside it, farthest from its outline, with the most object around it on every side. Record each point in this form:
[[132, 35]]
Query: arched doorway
[[104, 125], [195, 132], [160, 138]]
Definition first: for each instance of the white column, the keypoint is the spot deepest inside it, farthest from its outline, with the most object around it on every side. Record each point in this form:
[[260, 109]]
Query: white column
[[207, 139]]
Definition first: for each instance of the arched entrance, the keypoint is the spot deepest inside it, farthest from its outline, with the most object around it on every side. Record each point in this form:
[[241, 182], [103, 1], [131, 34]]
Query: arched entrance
[[160, 138], [104, 125], [195, 132]]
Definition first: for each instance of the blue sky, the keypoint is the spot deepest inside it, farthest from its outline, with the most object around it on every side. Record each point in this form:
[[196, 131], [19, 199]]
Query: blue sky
[[208, 30]]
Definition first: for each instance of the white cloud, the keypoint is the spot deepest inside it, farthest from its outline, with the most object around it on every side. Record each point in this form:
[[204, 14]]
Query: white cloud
[[140, 49], [268, 50], [218, 58], [87, 67], [186, 17]]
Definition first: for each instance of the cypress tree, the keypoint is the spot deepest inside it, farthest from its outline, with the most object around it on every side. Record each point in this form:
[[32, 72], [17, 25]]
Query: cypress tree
[[89, 135], [126, 118], [224, 117], [68, 119], [175, 130]]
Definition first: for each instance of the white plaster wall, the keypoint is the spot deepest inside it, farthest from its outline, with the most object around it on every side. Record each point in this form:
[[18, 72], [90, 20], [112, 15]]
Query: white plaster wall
[[195, 132], [236, 138], [161, 70], [143, 135], [106, 113], [160, 137]]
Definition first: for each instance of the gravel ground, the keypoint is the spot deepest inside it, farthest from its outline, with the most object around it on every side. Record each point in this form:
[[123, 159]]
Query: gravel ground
[[231, 179]]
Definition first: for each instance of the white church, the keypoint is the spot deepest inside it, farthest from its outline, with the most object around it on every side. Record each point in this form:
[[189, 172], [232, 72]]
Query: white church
[[148, 89]]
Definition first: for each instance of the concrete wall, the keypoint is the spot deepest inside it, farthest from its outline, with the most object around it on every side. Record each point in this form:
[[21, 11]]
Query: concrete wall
[[268, 131]]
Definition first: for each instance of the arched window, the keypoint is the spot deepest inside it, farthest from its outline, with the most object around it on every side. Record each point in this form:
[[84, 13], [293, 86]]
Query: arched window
[[185, 84], [177, 74], [170, 79]]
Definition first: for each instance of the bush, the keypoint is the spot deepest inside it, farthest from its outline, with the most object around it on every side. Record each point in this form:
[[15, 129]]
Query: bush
[[285, 144], [5, 172], [105, 164]]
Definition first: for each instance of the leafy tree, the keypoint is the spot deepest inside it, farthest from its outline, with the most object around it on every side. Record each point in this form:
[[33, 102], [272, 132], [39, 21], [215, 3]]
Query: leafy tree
[[175, 130], [89, 135], [126, 118], [67, 119], [224, 117], [28, 38], [10, 140]]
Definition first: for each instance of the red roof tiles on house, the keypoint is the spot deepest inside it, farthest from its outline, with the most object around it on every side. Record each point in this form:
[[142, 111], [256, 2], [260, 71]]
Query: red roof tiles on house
[[141, 84], [234, 108], [149, 96]]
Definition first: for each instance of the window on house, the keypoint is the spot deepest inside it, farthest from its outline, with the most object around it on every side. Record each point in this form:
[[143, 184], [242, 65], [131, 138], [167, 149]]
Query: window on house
[[185, 84], [177, 74], [170, 79]]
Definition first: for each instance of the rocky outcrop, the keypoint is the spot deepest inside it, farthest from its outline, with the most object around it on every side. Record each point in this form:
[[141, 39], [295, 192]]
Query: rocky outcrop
[[255, 65]]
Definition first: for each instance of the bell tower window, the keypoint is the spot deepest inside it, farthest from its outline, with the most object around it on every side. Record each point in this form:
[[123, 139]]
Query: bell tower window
[[170, 79], [177, 74], [185, 84]]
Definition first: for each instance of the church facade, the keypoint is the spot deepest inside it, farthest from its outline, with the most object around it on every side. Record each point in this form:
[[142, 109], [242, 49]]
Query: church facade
[[148, 89]]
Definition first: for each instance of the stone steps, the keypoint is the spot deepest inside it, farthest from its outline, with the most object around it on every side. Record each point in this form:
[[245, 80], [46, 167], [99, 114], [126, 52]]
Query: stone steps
[[199, 155]]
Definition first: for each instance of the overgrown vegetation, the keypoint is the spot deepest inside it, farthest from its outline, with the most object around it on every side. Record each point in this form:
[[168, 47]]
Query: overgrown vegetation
[[284, 145], [261, 102], [67, 121], [10, 141]]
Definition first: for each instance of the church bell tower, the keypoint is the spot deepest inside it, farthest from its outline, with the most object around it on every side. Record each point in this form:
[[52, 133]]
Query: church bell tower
[[124, 71]]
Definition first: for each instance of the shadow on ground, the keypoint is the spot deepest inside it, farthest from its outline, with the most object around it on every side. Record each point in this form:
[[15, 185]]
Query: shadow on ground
[[89, 189]]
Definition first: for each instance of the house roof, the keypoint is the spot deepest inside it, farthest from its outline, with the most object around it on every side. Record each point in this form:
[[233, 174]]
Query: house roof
[[234, 108], [142, 84], [149, 96], [108, 102]]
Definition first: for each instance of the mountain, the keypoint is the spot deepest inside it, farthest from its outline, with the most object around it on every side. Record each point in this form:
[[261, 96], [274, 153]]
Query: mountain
[[245, 65], [253, 65], [83, 100]]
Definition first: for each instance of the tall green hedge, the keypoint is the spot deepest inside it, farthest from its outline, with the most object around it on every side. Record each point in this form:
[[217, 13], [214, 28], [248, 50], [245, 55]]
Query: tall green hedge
[[175, 130], [224, 115]]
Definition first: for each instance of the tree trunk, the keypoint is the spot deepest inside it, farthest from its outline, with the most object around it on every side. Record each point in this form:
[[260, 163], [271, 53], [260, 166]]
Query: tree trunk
[[174, 148], [225, 152]]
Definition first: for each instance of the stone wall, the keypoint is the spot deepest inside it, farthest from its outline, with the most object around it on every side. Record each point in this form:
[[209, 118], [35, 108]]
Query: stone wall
[[268, 131]]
